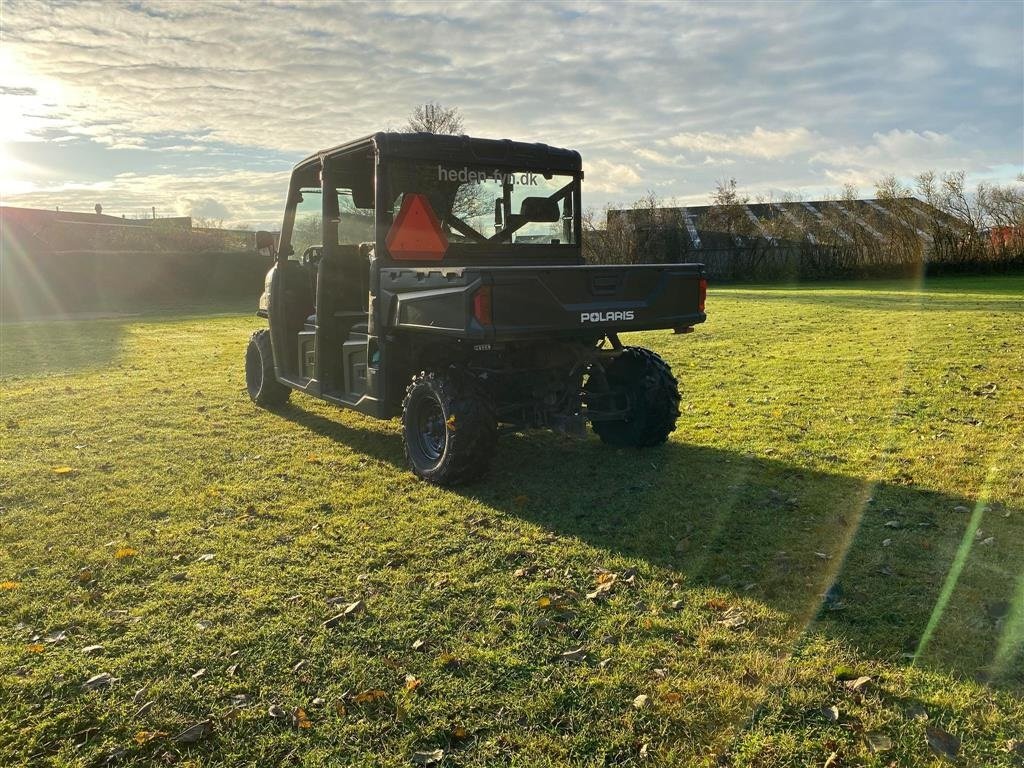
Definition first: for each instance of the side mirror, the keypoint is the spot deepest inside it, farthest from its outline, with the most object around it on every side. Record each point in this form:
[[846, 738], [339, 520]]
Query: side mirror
[[497, 213], [266, 241], [541, 209]]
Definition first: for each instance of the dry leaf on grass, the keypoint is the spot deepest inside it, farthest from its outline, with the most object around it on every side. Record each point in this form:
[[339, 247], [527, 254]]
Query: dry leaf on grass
[[35, 647], [640, 701], [878, 742], [125, 552], [276, 711], [942, 742], [370, 696], [831, 713], [577, 654], [89, 649], [102, 680], [412, 682], [857, 684], [195, 732], [143, 737], [428, 758], [63, 470], [300, 719]]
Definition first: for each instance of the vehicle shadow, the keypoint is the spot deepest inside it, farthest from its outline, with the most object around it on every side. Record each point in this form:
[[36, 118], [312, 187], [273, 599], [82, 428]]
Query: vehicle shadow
[[811, 544]]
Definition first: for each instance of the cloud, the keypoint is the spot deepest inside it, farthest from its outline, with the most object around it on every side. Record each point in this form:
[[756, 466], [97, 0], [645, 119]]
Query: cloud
[[207, 208], [760, 142], [605, 176], [638, 88]]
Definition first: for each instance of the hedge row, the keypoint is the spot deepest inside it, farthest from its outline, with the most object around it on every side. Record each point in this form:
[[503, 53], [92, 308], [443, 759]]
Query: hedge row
[[46, 284]]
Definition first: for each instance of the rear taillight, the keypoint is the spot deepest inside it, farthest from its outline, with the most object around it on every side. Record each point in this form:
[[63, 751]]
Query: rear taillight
[[703, 294], [482, 305]]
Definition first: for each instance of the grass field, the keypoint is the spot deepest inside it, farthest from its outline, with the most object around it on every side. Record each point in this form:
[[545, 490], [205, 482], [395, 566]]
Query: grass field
[[843, 498]]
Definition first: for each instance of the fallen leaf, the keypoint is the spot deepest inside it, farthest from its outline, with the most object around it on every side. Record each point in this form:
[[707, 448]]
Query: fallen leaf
[[205, 557], [831, 713], [857, 684], [832, 761], [672, 697], [195, 732], [85, 575], [334, 621], [339, 707], [232, 670], [878, 742], [353, 609], [63, 470], [677, 605], [412, 682], [418, 644], [198, 673], [92, 649], [543, 602], [370, 696], [428, 758], [459, 732], [102, 680], [143, 737], [125, 552], [300, 719], [640, 701], [276, 711], [942, 742], [35, 647], [577, 654]]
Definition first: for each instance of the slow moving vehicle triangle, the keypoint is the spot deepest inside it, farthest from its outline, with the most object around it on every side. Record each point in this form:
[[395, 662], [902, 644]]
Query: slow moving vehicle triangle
[[416, 233]]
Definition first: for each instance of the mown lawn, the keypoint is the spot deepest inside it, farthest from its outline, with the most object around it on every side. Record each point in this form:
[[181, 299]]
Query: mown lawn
[[843, 498]]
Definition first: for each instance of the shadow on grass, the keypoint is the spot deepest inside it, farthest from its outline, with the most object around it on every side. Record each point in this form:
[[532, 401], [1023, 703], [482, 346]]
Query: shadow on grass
[[85, 341], [809, 543]]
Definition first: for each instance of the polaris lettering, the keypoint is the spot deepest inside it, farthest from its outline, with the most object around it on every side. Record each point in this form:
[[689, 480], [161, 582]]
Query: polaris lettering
[[606, 317]]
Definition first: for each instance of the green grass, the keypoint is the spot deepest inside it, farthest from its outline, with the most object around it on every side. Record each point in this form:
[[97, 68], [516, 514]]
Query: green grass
[[868, 435]]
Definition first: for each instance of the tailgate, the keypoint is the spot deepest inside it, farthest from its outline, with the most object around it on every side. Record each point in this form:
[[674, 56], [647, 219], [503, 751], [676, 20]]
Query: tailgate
[[528, 301]]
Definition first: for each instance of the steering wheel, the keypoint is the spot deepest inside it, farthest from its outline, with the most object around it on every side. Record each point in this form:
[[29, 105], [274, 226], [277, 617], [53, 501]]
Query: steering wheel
[[312, 254]]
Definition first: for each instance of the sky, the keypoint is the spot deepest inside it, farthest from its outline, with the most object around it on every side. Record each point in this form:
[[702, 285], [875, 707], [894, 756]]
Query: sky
[[201, 108]]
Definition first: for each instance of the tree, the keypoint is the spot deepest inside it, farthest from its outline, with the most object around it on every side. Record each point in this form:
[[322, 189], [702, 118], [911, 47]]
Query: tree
[[436, 118]]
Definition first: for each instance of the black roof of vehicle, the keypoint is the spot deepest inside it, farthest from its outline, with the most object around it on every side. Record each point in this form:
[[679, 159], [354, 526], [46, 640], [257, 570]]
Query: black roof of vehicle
[[461, 149]]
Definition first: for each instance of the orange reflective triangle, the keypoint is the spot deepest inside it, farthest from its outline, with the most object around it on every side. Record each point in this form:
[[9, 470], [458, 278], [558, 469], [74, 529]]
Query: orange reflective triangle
[[416, 233]]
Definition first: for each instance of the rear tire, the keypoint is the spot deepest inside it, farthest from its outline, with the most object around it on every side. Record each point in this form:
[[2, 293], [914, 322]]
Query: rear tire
[[449, 427], [260, 381], [647, 382]]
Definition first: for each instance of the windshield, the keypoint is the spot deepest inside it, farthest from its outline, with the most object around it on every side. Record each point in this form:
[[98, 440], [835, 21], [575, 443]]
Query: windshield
[[479, 207]]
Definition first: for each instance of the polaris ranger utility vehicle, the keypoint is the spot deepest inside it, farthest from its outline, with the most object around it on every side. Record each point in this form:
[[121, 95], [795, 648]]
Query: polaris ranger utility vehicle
[[440, 278]]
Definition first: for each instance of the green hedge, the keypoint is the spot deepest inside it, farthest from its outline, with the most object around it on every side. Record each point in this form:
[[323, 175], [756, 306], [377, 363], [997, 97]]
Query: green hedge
[[45, 284]]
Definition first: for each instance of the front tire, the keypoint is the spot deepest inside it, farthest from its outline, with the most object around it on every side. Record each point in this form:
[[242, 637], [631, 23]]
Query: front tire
[[647, 383], [449, 427], [260, 381]]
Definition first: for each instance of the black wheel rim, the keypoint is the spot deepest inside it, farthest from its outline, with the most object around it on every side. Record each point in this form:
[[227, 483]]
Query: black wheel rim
[[431, 434]]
